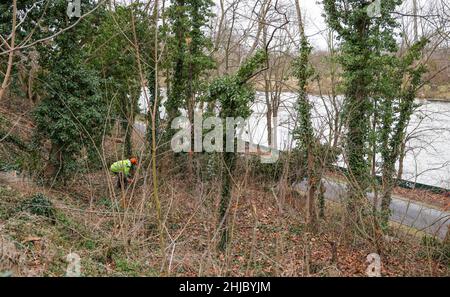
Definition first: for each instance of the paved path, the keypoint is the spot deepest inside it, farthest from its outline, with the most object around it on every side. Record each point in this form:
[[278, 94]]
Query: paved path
[[403, 211]]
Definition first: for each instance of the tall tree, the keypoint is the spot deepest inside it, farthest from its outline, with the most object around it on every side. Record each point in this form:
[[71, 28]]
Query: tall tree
[[10, 46], [234, 95], [381, 85], [398, 86], [189, 58], [72, 112], [363, 38], [121, 51], [304, 133], [17, 25], [179, 26]]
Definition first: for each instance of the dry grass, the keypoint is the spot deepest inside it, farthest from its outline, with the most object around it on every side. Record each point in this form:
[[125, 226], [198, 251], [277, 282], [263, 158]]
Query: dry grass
[[267, 240]]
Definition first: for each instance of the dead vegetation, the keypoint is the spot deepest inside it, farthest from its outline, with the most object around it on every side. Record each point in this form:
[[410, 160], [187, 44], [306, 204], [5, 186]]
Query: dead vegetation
[[266, 240]]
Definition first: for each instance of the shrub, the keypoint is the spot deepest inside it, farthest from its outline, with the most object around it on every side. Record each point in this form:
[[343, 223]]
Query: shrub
[[440, 251], [40, 205]]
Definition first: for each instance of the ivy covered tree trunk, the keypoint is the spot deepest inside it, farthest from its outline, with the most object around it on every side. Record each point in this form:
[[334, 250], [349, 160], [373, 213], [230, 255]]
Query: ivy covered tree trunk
[[373, 73], [356, 148], [363, 38], [55, 164], [189, 61], [153, 91], [199, 11], [120, 61], [72, 113], [229, 162], [392, 155], [358, 107], [234, 95], [127, 128], [304, 133], [178, 80], [397, 108]]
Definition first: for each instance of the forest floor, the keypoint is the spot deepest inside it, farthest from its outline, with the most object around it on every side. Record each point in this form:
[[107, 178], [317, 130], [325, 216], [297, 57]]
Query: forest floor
[[267, 240]]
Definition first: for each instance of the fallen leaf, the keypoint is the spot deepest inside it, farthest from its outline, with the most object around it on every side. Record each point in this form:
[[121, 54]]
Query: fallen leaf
[[31, 239]]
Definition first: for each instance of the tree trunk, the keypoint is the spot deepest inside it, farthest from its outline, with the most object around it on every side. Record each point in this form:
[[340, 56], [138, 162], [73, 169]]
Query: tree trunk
[[415, 17], [55, 164], [229, 160], [306, 135], [311, 217], [268, 113], [11, 53], [358, 122], [400, 160]]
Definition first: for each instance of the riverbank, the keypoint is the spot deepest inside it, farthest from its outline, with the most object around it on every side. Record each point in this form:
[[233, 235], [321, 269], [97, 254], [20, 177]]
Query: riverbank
[[427, 92], [428, 198]]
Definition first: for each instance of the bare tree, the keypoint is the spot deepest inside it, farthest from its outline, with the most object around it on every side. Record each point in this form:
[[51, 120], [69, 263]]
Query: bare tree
[[11, 47]]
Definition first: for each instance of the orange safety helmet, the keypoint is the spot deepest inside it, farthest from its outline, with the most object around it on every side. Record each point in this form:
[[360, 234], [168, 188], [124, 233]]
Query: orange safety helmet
[[134, 161]]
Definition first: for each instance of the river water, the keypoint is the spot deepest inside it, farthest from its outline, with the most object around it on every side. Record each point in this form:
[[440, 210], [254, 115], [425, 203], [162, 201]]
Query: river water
[[427, 159]]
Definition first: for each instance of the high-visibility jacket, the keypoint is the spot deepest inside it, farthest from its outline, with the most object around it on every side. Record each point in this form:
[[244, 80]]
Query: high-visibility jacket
[[123, 166]]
